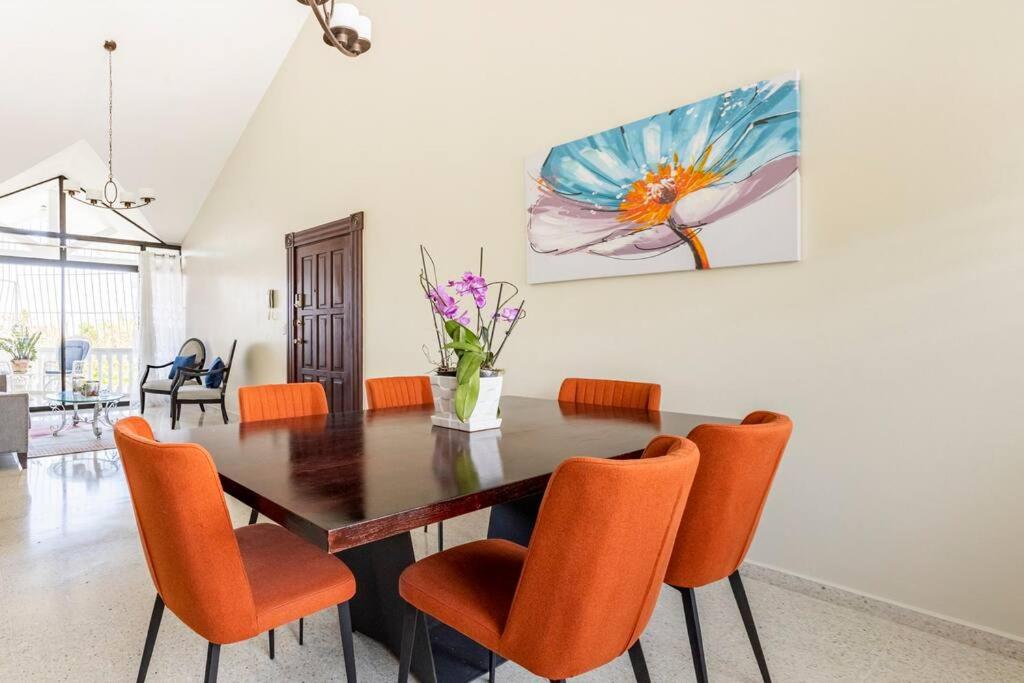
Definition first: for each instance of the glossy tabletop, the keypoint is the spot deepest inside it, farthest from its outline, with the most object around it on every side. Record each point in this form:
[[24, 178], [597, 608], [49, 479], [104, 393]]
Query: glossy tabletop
[[347, 479]]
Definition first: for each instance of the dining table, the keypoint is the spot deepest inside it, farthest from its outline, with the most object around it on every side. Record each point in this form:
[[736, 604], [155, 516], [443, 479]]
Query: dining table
[[355, 484]]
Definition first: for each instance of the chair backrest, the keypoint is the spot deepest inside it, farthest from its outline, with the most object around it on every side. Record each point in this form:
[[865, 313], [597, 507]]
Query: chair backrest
[[227, 366], [186, 533], [610, 392], [737, 465], [75, 349], [597, 559], [398, 392], [194, 346], [276, 401]]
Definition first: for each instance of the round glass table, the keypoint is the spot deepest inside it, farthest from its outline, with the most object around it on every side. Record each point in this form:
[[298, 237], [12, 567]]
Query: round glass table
[[101, 405]]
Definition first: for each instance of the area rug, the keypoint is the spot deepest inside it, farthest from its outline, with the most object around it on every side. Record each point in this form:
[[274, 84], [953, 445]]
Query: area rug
[[77, 439]]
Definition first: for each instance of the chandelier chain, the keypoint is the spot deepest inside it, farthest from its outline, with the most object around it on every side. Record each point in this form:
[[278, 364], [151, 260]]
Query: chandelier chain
[[110, 115]]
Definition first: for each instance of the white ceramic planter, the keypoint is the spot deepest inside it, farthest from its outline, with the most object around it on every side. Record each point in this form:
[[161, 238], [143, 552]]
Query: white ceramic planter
[[485, 415]]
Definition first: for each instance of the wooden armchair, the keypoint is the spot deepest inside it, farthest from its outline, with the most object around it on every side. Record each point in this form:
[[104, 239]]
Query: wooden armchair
[[164, 385], [184, 392]]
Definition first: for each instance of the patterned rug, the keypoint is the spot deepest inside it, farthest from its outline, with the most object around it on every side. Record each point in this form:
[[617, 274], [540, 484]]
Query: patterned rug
[[77, 439]]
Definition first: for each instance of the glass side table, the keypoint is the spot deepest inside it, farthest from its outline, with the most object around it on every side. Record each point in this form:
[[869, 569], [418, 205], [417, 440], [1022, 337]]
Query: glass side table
[[101, 405]]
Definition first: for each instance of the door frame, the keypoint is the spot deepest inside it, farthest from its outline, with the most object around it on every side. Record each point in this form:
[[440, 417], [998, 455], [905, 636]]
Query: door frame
[[350, 225]]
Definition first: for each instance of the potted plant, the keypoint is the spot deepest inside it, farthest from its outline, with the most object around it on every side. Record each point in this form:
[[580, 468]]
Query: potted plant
[[21, 346], [470, 338]]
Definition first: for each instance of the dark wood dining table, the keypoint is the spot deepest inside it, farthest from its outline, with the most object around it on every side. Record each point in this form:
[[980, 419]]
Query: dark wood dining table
[[357, 483]]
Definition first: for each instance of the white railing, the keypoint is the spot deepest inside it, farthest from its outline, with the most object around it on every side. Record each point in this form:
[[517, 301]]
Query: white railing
[[114, 368]]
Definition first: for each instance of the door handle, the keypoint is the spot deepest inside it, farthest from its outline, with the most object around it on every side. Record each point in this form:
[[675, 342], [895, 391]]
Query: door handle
[[297, 341]]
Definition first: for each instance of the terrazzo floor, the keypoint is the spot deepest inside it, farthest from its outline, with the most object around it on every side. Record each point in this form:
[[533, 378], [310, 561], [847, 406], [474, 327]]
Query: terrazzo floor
[[75, 598]]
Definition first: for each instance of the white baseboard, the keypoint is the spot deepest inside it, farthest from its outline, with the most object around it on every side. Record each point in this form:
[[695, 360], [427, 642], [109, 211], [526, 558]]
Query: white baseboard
[[929, 622]]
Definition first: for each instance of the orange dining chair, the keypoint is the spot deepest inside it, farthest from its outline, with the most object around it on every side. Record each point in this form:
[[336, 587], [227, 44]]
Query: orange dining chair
[[584, 590], [225, 584], [402, 392], [398, 392], [737, 465], [610, 392], [279, 401]]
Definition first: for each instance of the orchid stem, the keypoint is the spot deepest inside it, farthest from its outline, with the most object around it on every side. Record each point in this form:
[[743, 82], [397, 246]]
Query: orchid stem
[[511, 327]]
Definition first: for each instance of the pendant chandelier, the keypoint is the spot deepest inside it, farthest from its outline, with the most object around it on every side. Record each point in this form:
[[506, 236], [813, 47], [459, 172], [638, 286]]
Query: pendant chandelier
[[110, 196], [344, 27]]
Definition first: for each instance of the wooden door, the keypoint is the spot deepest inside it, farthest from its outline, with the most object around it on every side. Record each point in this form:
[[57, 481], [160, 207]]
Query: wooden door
[[325, 266]]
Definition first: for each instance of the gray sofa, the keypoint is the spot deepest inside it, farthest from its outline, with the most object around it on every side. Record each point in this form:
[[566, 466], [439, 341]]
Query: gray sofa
[[14, 423]]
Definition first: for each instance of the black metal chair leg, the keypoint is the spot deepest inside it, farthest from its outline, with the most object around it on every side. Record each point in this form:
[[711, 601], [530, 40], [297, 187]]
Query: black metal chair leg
[[748, 622], [224, 411], [440, 536], [202, 408], [271, 634], [490, 666], [154, 627], [301, 624], [408, 639], [212, 661], [700, 665], [345, 622], [253, 516], [636, 658]]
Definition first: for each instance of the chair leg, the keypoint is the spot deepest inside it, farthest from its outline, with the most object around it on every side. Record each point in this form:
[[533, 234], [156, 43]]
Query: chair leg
[[301, 624], [440, 536], [174, 414], [253, 516], [202, 407], [224, 411], [345, 622], [490, 666], [271, 634], [636, 658], [748, 622], [142, 402], [212, 661], [154, 627], [23, 459], [700, 665], [408, 639]]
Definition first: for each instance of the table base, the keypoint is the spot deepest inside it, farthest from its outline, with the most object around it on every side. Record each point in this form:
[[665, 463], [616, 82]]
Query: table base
[[100, 416]]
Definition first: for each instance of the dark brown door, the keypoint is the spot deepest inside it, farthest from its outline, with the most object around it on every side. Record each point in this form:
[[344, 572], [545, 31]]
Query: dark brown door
[[325, 310]]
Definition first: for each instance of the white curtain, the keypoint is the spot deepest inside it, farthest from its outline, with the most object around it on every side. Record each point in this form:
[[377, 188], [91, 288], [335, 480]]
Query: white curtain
[[161, 328]]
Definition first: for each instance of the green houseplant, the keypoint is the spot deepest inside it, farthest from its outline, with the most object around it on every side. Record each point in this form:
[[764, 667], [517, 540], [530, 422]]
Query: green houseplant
[[22, 347]]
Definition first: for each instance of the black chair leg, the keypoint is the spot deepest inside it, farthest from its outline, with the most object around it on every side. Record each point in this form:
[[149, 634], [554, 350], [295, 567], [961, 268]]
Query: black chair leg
[[440, 536], [202, 408], [142, 402], [224, 411], [301, 624], [490, 666], [253, 516], [345, 622], [748, 622], [271, 634], [154, 627], [408, 638], [700, 665], [212, 661], [174, 415], [636, 658]]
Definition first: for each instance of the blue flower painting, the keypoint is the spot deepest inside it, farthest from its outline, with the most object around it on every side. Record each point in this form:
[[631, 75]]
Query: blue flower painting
[[718, 178]]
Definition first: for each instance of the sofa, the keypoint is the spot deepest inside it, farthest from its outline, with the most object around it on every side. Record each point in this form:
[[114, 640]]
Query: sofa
[[14, 423]]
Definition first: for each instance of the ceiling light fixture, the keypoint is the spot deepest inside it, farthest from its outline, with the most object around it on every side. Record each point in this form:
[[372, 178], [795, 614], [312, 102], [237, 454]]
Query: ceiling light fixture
[[110, 196], [344, 27]]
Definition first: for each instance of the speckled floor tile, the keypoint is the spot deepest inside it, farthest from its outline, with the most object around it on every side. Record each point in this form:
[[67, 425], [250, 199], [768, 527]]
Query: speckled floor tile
[[75, 596]]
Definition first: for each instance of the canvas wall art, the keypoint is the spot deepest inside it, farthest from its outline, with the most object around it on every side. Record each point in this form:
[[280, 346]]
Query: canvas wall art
[[706, 185]]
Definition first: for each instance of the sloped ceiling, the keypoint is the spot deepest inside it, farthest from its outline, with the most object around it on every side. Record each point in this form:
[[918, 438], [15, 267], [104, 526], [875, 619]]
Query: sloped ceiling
[[188, 75]]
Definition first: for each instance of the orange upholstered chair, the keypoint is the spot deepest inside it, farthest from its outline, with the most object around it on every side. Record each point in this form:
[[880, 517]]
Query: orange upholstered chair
[[226, 584], [610, 392], [278, 401], [584, 590], [737, 465], [398, 392]]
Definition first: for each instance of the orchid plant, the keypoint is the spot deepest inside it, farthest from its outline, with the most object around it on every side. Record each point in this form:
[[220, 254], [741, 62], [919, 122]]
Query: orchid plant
[[465, 329]]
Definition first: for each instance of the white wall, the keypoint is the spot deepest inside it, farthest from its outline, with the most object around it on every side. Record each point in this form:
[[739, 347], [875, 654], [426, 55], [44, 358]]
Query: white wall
[[895, 344]]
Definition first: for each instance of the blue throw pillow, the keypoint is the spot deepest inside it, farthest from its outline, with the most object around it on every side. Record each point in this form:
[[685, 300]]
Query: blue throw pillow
[[181, 362], [216, 374]]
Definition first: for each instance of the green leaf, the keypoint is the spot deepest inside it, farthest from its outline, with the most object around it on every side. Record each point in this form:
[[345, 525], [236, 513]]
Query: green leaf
[[467, 374], [459, 332], [464, 346]]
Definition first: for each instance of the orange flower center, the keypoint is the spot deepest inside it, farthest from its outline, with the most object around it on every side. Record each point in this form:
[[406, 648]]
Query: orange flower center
[[650, 200]]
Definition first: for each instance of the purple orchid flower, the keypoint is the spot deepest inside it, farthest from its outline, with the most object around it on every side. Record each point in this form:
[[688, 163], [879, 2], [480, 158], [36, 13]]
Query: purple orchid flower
[[474, 285], [444, 303], [508, 314]]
